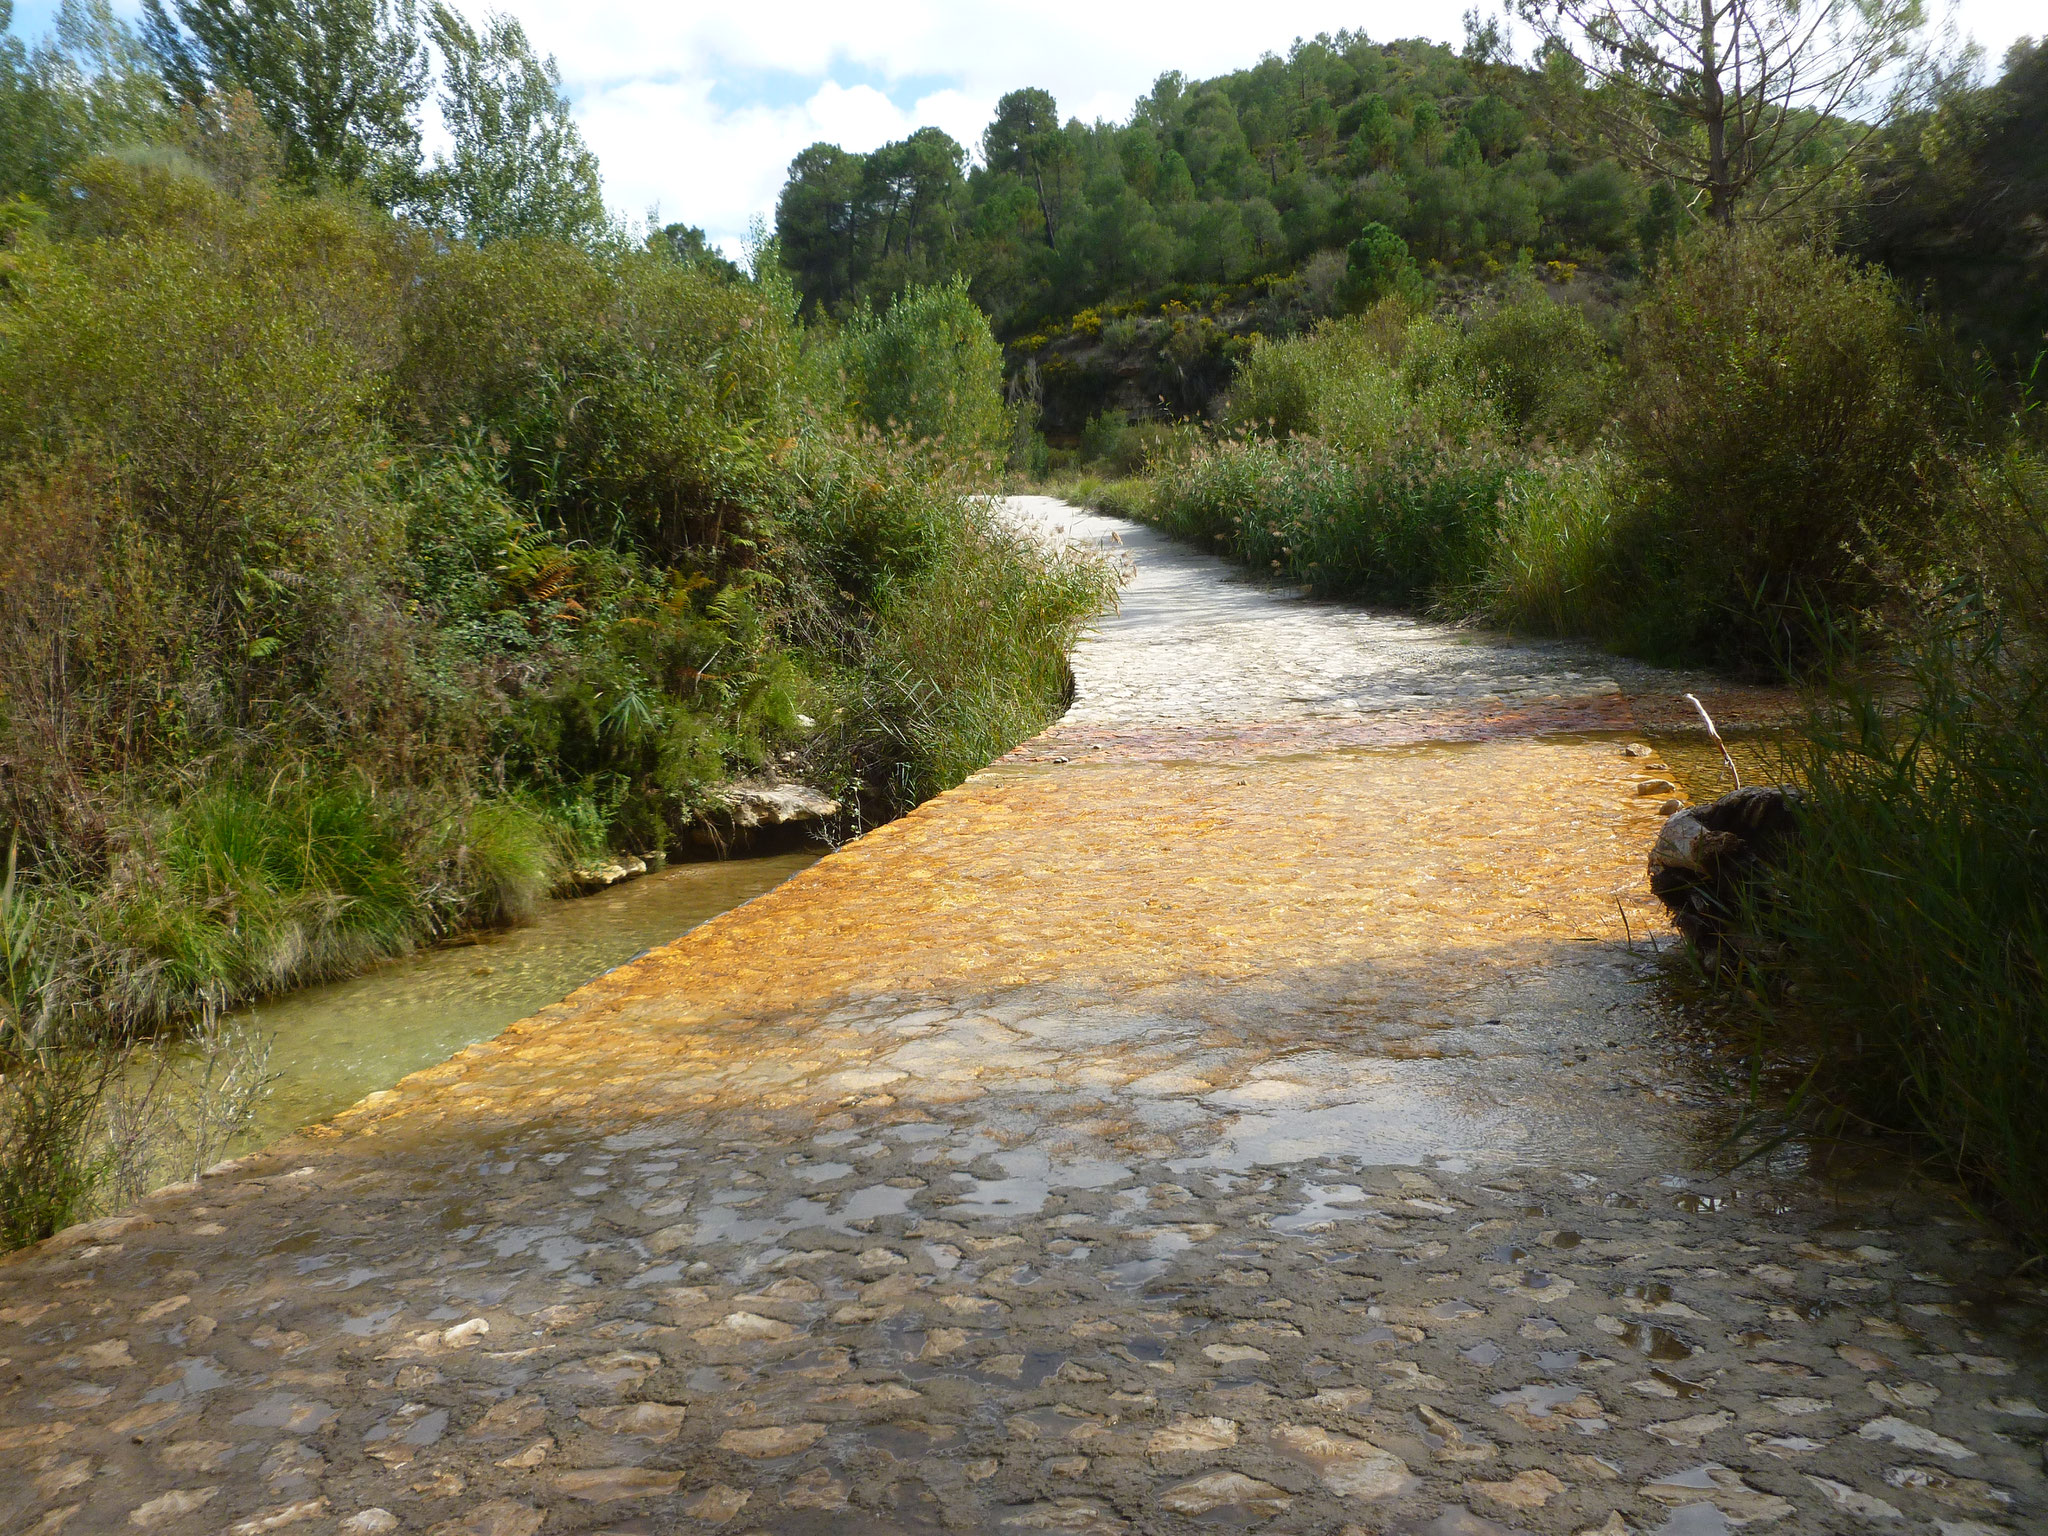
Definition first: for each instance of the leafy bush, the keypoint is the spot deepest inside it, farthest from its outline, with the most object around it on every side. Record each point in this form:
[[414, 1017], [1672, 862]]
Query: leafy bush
[[1540, 363], [50, 1100], [1112, 445], [182, 433], [1288, 387], [1767, 450], [1549, 567], [970, 655], [1917, 917], [1778, 414], [1389, 480], [623, 393], [930, 367], [1406, 527], [1102, 438]]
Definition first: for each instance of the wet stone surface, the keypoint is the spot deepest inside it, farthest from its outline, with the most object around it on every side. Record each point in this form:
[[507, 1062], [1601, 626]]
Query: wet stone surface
[[1253, 1121]]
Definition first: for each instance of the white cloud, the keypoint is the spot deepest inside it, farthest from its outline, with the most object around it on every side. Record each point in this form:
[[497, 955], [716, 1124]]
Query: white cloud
[[669, 144]]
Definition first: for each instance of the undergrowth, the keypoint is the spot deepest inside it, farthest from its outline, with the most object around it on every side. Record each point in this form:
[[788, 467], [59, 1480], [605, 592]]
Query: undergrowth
[[1914, 912], [357, 585], [1769, 459]]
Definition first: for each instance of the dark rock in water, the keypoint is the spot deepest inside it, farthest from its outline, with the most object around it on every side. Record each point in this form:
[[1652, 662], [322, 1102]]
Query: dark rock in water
[[1708, 858]]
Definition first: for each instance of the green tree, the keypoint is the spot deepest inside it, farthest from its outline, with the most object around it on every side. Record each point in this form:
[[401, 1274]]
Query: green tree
[[1597, 205], [910, 190], [855, 226], [1261, 227], [1497, 126], [1216, 247], [688, 245], [520, 166], [1960, 206], [89, 86], [1126, 242], [930, 367], [339, 82], [1738, 97], [1376, 264], [1025, 141], [1375, 142], [817, 224], [1428, 139], [1176, 185]]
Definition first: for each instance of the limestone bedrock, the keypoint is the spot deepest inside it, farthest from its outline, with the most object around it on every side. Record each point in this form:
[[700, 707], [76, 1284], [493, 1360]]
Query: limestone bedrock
[[1243, 1105]]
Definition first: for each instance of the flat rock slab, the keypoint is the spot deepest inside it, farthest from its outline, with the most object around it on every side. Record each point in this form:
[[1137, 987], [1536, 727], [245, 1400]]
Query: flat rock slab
[[1241, 1107]]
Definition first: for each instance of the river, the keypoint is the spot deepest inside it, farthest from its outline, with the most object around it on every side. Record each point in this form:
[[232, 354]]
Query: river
[[1251, 1102], [332, 1044]]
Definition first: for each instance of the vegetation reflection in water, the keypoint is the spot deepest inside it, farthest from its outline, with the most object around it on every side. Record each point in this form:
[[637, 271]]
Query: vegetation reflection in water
[[331, 1045]]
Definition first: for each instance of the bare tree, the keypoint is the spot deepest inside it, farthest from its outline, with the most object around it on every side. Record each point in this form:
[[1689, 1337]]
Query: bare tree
[[1737, 97]]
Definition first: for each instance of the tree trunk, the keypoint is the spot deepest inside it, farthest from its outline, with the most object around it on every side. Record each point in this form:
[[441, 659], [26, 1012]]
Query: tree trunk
[[1044, 208], [1714, 112]]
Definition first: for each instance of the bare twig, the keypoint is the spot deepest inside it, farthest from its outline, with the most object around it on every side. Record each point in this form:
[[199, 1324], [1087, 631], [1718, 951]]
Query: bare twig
[[1733, 772]]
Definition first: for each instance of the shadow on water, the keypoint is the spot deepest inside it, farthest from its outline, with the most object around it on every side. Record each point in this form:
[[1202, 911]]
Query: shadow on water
[[333, 1044]]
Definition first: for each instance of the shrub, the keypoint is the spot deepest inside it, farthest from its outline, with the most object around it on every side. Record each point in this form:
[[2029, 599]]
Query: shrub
[[1102, 437], [1539, 362], [1405, 527], [191, 389], [1914, 912], [1917, 917], [1281, 388], [1115, 446], [1550, 565], [1777, 455], [1778, 414], [930, 367], [623, 394], [1387, 485], [97, 643], [969, 657], [50, 1100]]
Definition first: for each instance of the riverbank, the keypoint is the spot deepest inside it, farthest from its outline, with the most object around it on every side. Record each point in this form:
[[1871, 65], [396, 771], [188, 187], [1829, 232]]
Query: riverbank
[[360, 587], [1702, 487]]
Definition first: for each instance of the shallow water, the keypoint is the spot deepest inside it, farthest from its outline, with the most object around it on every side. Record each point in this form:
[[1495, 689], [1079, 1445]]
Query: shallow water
[[333, 1044], [1696, 766]]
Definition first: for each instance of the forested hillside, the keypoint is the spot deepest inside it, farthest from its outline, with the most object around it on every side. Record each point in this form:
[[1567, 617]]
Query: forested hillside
[[1219, 182], [1126, 265]]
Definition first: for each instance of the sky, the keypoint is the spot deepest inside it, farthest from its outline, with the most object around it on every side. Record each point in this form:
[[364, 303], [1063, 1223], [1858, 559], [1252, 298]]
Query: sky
[[697, 110]]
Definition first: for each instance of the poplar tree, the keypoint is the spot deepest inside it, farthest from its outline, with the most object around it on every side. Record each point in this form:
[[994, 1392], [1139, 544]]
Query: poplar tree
[[519, 166], [339, 82]]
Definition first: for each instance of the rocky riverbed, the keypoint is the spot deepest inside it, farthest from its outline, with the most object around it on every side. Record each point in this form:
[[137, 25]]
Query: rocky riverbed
[[1252, 1104]]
